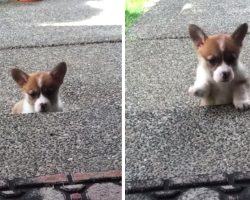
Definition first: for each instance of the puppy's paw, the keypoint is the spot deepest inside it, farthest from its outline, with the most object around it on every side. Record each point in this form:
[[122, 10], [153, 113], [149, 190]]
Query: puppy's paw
[[242, 105], [199, 92]]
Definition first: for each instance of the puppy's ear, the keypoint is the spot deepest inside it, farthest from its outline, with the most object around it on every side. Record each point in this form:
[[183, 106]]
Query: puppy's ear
[[59, 72], [197, 35], [240, 33], [19, 76]]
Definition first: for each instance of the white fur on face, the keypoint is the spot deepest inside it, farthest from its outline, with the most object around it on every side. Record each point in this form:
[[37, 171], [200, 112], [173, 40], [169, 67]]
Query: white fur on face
[[221, 43], [27, 108], [218, 73], [41, 100], [39, 81]]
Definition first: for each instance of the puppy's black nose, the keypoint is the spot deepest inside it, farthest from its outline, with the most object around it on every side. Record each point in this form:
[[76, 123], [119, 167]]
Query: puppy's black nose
[[225, 75], [43, 107]]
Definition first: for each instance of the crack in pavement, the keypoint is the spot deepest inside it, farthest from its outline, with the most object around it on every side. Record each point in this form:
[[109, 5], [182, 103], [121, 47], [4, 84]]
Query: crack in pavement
[[61, 45], [132, 38]]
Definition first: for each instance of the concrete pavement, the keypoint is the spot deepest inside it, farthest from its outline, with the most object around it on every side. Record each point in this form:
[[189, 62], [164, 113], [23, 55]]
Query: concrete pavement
[[79, 141], [170, 19], [50, 22], [167, 134]]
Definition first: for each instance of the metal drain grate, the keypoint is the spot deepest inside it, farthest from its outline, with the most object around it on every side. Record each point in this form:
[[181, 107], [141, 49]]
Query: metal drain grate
[[234, 186], [78, 186]]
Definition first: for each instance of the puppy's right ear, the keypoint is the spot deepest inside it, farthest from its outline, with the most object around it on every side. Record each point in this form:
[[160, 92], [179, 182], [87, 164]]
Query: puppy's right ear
[[197, 35], [58, 72], [240, 33], [19, 76]]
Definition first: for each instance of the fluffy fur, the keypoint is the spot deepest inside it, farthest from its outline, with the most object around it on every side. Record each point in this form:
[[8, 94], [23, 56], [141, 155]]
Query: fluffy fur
[[41, 90]]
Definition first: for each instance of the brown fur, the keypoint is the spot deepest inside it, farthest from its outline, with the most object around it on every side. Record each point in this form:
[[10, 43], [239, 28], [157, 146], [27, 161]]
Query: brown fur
[[211, 46], [18, 107], [34, 84], [218, 57], [47, 82]]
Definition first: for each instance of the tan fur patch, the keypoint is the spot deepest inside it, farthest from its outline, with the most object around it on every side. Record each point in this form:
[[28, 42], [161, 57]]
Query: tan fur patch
[[18, 107]]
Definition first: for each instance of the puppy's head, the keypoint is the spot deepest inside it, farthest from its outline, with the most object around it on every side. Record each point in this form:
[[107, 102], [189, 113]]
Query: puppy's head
[[220, 53], [41, 88]]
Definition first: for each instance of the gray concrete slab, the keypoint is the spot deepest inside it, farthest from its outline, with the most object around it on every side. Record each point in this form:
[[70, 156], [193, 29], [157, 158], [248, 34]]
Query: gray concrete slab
[[79, 141], [158, 74], [197, 193], [186, 142], [139, 197], [169, 19], [93, 78], [50, 22]]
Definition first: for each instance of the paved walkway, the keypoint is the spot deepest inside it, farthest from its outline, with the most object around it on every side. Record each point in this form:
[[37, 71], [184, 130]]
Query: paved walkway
[[58, 22], [168, 135]]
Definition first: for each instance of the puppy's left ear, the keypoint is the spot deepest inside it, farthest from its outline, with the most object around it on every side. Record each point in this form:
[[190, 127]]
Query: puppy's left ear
[[240, 33], [59, 72], [197, 35], [19, 76]]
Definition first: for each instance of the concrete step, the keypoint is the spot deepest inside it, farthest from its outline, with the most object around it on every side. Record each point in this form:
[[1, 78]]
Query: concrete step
[[93, 78], [186, 142], [52, 22], [42, 144], [171, 18]]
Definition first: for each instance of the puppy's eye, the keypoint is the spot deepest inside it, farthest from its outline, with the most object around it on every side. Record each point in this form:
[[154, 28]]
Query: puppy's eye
[[48, 91], [213, 61], [33, 94], [230, 58]]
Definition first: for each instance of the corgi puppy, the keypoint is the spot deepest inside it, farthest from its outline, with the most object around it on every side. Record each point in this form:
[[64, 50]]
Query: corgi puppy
[[220, 76], [40, 89]]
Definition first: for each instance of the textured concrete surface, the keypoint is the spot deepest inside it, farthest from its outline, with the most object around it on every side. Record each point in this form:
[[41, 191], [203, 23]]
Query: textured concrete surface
[[93, 78], [44, 194], [138, 197], [156, 78], [108, 191], [191, 194], [200, 193], [186, 142], [167, 133], [39, 194], [170, 19], [79, 141], [52, 22]]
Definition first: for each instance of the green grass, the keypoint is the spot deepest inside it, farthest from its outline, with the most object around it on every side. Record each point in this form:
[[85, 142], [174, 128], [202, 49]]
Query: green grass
[[133, 9]]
